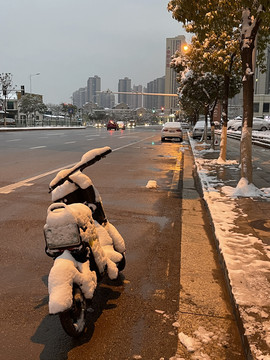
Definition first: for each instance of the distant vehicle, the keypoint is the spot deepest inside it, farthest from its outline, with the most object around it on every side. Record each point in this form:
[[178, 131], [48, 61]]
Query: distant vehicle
[[185, 125], [231, 122], [121, 125], [98, 125], [171, 130], [258, 124], [131, 123], [9, 121], [198, 130], [112, 125]]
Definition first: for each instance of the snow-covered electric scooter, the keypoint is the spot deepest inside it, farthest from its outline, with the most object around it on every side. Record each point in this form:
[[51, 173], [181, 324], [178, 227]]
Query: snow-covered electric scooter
[[84, 244]]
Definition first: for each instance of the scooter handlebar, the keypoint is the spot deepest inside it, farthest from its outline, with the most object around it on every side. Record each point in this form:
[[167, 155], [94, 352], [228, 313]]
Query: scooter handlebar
[[88, 159]]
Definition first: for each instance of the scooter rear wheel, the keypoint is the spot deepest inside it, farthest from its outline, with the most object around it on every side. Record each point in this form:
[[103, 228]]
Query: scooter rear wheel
[[73, 320]]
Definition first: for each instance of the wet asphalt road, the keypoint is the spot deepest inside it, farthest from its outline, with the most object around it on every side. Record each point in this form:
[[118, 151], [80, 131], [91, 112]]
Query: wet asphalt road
[[133, 317]]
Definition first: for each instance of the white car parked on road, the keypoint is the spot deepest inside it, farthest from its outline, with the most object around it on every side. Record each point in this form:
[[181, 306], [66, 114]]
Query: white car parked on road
[[171, 130], [198, 129]]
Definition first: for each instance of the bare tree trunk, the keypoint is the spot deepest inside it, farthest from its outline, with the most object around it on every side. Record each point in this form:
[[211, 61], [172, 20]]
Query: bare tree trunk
[[246, 136], [212, 136], [251, 27], [223, 145]]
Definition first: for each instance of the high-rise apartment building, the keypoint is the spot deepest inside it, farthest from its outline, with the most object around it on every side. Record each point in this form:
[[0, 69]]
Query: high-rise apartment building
[[172, 45], [93, 87], [88, 93], [156, 86], [106, 99], [136, 100], [124, 85], [79, 97], [76, 98]]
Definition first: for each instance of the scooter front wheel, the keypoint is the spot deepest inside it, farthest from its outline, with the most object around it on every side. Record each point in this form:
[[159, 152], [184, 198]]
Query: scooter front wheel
[[73, 320]]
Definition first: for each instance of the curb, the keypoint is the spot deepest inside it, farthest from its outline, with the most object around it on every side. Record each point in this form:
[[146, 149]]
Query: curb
[[177, 173]]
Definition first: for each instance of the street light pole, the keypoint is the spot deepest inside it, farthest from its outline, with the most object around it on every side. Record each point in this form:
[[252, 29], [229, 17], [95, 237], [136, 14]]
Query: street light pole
[[30, 78]]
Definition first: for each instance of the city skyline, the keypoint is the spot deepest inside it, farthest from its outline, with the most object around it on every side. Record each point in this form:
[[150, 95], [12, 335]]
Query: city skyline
[[164, 84], [113, 41], [102, 98]]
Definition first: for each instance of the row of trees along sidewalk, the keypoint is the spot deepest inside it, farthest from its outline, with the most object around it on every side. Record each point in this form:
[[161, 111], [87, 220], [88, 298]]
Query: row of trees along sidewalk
[[230, 38]]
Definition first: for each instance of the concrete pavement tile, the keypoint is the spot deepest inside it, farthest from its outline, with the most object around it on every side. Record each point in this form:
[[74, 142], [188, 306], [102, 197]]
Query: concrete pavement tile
[[190, 194], [191, 202], [242, 227], [260, 179], [209, 336], [250, 208], [191, 218], [190, 234], [202, 294], [189, 182], [194, 229], [197, 258], [264, 205]]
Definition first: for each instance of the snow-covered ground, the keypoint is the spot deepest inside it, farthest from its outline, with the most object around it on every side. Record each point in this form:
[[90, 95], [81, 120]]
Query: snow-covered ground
[[246, 257]]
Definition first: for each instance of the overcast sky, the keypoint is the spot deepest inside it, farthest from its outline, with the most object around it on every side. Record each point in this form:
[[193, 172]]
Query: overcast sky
[[67, 41]]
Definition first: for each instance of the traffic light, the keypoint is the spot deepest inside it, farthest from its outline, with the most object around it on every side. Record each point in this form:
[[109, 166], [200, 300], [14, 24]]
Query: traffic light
[[22, 90], [162, 109]]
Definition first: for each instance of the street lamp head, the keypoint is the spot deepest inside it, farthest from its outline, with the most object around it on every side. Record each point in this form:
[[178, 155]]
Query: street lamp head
[[185, 48]]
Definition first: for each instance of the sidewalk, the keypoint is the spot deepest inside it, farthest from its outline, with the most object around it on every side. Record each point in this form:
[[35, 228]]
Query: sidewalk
[[207, 328], [241, 228]]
